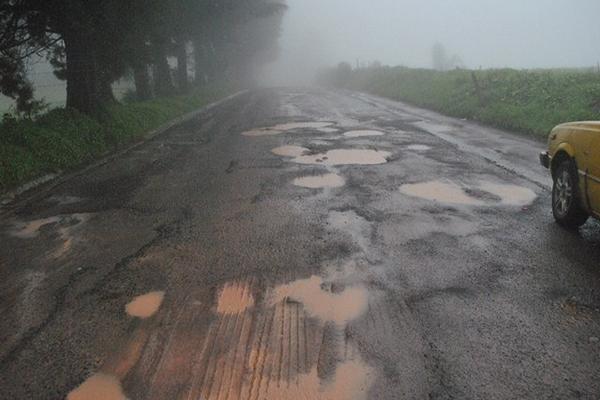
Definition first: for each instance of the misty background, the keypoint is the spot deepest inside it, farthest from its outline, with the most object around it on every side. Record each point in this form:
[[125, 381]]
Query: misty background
[[482, 33]]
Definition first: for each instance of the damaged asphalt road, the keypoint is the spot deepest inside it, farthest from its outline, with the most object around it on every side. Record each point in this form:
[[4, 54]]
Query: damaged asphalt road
[[302, 244]]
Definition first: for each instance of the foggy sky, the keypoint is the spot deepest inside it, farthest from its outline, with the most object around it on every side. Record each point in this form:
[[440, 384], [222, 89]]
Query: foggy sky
[[484, 33]]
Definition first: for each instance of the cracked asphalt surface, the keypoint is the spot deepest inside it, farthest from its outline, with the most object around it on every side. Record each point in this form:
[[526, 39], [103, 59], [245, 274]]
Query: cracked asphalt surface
[[361, 290]]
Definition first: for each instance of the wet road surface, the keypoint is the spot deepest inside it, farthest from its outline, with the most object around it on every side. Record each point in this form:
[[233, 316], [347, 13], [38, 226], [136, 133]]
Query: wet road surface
[[302, 244]]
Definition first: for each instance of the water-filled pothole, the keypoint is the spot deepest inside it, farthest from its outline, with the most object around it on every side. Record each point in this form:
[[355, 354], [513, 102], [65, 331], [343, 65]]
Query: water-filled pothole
[[440, 191], [146, 305], [280, 128], [289, 151], [98, 387], [234, 298], [345, 157], [363, 133], [511, 195], [339, 307], [418, 147], [478, 194], [320, 181]]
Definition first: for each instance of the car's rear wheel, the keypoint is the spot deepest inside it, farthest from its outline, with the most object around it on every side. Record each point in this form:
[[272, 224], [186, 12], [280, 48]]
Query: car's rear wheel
[[566, 199]]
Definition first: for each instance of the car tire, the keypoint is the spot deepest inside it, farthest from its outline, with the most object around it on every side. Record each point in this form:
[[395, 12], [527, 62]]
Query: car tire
[[566, 198]]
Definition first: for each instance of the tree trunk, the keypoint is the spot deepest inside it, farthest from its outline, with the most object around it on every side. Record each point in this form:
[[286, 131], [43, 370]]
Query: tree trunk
[[162, 82], [82, 93], [141, 78], [182, 67]]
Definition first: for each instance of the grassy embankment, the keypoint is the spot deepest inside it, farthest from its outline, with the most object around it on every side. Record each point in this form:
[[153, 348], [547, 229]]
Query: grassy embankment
[[64, 139], [524, 101]]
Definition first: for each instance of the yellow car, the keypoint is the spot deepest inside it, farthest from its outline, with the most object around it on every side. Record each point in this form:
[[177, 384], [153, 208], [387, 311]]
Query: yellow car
[[573, 157]]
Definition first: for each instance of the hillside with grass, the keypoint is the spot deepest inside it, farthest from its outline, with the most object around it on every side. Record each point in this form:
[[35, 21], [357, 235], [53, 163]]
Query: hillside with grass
[[523, 101]]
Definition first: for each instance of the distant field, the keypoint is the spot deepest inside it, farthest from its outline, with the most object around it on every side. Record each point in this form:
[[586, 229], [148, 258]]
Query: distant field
[[526, 101]]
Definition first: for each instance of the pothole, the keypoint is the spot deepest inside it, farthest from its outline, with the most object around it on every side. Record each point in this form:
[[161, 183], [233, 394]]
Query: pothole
[[339, 307], [320, 181], [439, 191], [477, 195], [280, 128], [261, 132], [98, 387], [234, 298], [31, 229], [146, 305], [418, 147], [511, 195], [345, 157], [302, 125], [363, 133], [289, 151]]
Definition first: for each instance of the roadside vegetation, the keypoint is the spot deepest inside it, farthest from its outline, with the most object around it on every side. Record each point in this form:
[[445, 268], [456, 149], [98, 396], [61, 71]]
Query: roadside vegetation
[[524, 101], [63, 139]]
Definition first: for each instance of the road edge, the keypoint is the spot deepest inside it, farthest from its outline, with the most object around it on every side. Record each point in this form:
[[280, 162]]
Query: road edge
[[53, 180]]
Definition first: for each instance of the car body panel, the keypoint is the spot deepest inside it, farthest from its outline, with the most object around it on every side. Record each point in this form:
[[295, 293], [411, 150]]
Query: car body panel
[[579, 141]]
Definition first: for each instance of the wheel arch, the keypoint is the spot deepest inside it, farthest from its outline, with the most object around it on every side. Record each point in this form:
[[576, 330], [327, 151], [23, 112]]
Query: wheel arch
[[562, 154]]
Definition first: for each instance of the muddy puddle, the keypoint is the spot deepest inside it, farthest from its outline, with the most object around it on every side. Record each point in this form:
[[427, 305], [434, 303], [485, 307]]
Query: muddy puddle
[[487, 193], [98, 387], [234, 298], [326, 302], [363, 133], [511, 195], [146, 305], [418, 147], [289, 151], [320, 181], [345, 157], [445, 192]]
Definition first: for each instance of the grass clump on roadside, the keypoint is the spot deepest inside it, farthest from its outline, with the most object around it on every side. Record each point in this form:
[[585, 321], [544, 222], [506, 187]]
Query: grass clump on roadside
[[63, 139], [526, 101]]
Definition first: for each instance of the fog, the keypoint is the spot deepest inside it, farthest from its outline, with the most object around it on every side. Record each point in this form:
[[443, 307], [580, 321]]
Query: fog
[[483, 33]]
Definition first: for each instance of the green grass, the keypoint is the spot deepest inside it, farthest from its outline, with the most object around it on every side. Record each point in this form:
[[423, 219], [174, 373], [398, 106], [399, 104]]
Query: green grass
[[525, 101], [65, 139]]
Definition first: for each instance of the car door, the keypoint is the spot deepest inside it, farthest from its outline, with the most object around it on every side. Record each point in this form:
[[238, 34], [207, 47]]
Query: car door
[[592, 165]]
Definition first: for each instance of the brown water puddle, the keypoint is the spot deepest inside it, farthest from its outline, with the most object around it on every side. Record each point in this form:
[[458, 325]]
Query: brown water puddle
[[146, 305], [320, 181], [340, 307], [440, 191], [363, 133], [511, 195], [98, 387], [289, 151], [234, 298], [345, 157]]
